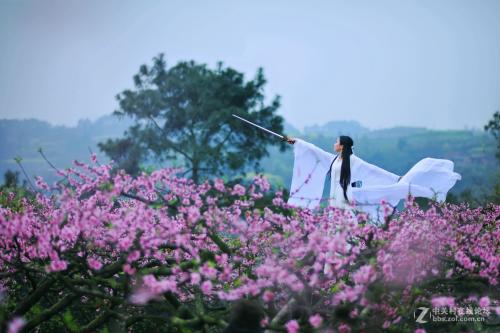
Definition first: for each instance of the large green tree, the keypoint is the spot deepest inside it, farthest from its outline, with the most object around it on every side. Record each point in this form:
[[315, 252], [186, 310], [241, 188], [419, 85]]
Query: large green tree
[[493, 126], [184, 113]]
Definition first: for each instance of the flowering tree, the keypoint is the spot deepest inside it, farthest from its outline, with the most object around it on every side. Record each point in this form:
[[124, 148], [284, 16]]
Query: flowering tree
[[101, 252]]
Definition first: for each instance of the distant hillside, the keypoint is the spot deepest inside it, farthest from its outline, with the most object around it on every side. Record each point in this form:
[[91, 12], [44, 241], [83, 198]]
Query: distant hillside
[[336, 128], [395, 149], [60, 144]]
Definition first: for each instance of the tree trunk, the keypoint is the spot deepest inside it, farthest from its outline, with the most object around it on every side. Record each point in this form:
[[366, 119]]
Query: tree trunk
[[195, 173]]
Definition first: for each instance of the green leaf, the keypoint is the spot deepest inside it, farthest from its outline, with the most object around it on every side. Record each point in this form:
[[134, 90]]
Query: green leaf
[[69, 320], [107, 186]]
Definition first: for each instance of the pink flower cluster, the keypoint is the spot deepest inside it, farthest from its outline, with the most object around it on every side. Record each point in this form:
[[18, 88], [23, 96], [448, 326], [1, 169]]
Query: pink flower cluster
[[172, 236]]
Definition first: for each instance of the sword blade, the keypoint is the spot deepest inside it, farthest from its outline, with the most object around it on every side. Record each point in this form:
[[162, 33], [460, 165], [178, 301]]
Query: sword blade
[[262, 128]]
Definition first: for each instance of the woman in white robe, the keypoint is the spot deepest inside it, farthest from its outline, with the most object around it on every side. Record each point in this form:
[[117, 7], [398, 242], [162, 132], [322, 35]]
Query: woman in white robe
[[363, 184]]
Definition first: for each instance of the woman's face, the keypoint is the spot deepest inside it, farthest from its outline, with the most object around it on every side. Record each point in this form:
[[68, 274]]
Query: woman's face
[[337, 146]]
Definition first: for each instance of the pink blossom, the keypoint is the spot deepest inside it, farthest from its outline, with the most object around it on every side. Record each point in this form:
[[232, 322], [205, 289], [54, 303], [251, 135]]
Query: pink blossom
[[208, 271], [364, 275], [387, 269], [219, 185], [484, 302], [464, 260], [238, 190], [443, 301], [16, 324], [206, 287], [292, 326], [41, 184], [57, 265], [262, 182], [419, 330], [315, 320], [244, 250], [195, 278], [133, 256], [193, 214], [94, 264], [268, 296], [344, 328], [129, 269], [142, 295], [159, 286]]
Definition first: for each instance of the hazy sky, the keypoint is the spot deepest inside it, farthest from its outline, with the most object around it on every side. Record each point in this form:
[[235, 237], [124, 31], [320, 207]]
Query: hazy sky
[[383, 63]]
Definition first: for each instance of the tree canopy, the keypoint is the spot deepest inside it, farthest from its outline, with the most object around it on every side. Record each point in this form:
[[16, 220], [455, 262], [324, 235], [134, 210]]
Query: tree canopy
[[183, 113], [493, 126]]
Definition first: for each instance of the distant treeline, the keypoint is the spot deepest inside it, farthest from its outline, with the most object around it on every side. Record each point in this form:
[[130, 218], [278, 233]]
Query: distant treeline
[[395, 149]]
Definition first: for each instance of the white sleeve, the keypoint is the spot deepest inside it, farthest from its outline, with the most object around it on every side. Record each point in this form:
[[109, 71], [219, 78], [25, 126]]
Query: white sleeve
[[436, 174], [309, 170], [324, 157], [370, 174], [427, 178]]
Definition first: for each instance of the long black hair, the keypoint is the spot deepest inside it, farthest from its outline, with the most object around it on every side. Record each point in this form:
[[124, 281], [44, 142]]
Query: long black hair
[[345, 168]]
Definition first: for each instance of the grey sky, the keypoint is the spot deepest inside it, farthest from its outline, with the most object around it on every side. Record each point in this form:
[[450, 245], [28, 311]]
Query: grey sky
[[383, 63]]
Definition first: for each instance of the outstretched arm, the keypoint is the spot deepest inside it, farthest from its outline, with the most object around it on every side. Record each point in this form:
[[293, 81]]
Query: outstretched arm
[[309, 169], [301, 146]]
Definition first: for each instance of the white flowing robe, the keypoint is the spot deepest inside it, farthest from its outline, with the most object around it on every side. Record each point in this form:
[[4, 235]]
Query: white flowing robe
[[430, 177]]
